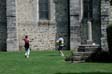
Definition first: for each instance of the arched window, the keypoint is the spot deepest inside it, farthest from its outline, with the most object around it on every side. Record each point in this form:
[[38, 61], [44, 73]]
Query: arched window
[[43, 9]]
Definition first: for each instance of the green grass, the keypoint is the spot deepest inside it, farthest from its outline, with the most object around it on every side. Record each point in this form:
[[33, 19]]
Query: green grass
[[47, 62]]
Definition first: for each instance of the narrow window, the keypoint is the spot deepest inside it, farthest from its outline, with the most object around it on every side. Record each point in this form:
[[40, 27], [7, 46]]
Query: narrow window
[[111, 2], [88, 9], [43, 10], [85, 8]]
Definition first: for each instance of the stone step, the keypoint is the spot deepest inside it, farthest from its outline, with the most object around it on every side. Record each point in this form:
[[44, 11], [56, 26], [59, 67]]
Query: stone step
[[75, 59], [81, 53], [78, 56]]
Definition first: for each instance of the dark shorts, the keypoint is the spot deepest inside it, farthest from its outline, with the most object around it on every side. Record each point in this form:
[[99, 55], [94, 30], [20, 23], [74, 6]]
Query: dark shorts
[[60, 48], [26, 47]]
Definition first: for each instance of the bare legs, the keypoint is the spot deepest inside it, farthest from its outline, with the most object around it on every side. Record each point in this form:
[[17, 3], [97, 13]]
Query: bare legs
[[61, 53], [27, 53]]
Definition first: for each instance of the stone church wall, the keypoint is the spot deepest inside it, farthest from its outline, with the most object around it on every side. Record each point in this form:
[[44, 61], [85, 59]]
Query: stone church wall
[[42, 33], [22, 18]]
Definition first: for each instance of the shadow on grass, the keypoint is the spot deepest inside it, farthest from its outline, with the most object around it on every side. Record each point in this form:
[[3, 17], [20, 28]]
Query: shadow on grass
[[87, 73]]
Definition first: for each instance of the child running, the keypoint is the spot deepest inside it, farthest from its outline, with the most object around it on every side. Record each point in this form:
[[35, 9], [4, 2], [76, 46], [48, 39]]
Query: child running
[[27, 49], [60, 43]]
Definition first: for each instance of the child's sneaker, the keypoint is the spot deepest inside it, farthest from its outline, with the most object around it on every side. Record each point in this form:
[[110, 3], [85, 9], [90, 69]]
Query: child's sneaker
[[62, 54], [27, 56]]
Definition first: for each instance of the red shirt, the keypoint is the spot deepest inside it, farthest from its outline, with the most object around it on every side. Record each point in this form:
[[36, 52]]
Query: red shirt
[[26, 40]]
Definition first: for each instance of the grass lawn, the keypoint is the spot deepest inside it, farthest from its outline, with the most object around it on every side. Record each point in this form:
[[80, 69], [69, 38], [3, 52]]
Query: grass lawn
[[47, 62]]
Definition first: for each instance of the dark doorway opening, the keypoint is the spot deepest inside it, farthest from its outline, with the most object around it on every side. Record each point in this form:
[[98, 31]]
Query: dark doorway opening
[[3, 25], [62, 21]]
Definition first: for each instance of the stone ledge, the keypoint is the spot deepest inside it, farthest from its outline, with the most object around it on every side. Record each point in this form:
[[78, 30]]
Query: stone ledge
[[87, 48]]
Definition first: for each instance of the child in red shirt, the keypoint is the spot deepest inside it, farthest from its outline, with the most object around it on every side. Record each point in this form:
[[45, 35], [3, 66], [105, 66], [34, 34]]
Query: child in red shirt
[[27, 49]]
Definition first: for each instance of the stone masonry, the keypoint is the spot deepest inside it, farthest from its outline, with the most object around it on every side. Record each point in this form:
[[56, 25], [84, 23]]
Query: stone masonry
[[110, 15], [105, 5], [42, 33]]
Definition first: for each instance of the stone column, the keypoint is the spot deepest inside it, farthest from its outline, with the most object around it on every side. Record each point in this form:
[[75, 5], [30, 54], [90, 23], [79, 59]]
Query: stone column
[[89, 32], [81, 11], [12, 39], [75, 11], [104, 23]]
